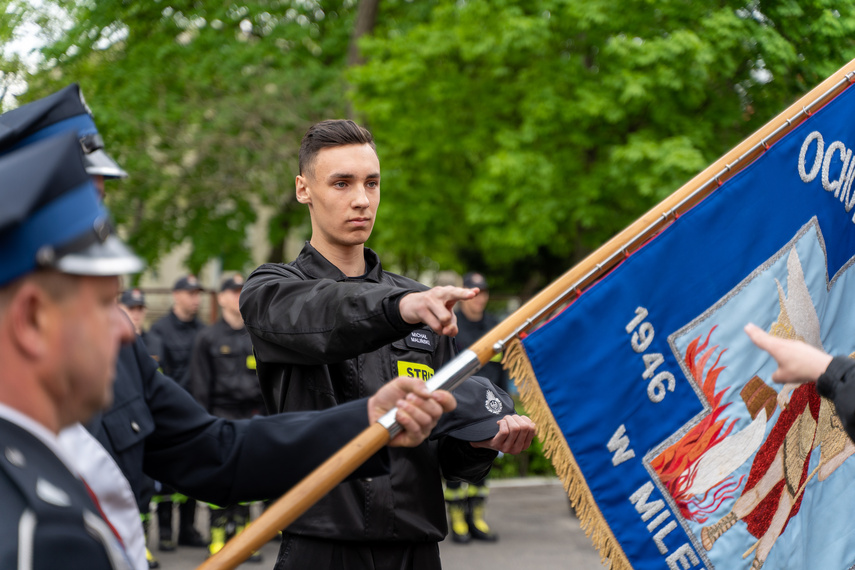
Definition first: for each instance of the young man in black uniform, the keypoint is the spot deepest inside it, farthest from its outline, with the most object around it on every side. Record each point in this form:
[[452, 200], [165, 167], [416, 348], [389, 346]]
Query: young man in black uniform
[[171, 341], [333, 326], [223, 380], [154, 428]]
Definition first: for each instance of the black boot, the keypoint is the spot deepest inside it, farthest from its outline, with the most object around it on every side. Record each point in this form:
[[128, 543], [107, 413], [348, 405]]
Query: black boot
[[455, 502], [149, 557], [219, 519], [478, 527], [187, 533], [164, 525]]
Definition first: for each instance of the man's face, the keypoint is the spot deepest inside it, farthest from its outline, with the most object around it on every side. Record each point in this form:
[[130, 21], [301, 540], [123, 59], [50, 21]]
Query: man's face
[[137, 316], [90, 329], [478, 303], [342, 190], [229, 301], [186, 303]]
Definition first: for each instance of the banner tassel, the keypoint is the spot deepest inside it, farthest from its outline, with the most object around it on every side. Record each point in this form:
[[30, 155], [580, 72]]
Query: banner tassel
[[558, 452]]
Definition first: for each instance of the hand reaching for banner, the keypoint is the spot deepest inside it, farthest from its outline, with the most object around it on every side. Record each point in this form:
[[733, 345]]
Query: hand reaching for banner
[[434, 307], [515, 435], [418, 408], [798, 362]]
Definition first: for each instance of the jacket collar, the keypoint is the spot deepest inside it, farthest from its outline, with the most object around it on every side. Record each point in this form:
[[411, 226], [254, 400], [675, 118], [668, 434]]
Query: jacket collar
[[316, 266], [179, 324]]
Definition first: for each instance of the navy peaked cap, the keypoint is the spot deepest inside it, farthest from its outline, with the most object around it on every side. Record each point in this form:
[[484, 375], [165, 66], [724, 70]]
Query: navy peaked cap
[[132, 298], [188, 283], [480, 405], [62, 111], [51, 215]]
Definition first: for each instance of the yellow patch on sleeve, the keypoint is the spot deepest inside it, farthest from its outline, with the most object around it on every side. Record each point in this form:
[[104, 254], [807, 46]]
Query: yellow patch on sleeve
[[414, 370], [250, 362]]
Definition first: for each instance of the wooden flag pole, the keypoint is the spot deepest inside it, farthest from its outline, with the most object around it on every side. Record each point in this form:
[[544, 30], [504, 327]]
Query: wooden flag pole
[[294, 503]]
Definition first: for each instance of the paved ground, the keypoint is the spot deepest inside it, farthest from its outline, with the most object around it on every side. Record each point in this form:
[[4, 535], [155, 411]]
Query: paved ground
[[532, 517]]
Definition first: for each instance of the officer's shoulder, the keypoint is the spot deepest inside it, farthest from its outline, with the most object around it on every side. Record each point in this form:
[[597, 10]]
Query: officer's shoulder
[[273, 271], [32, 477]]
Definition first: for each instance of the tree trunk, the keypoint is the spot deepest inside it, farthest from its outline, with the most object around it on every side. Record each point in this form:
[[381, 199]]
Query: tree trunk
[[366, 17]]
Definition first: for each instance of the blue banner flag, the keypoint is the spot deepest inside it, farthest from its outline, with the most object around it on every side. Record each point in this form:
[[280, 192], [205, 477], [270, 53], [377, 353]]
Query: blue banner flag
[[660, 414]]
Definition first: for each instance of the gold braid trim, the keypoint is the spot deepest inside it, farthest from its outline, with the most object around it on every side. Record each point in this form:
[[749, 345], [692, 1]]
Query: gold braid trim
[[556, 450]]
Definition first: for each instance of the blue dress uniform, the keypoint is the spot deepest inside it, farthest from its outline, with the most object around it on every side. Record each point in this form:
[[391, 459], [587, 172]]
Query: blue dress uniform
[[51, 218], [45, 504]]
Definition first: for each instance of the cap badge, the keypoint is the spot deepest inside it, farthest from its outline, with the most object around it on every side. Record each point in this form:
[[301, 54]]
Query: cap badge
[[493, 404]]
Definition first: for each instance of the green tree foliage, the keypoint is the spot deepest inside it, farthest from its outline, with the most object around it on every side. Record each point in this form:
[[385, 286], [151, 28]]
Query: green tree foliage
[[517, 135], [514, 135], [204, 103]]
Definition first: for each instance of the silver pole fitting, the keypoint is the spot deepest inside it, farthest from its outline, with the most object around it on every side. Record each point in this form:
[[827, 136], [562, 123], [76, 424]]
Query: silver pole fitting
[[448, 378]]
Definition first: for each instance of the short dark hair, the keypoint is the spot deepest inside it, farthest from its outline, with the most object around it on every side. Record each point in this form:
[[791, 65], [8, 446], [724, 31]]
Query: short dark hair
[[330, 133]]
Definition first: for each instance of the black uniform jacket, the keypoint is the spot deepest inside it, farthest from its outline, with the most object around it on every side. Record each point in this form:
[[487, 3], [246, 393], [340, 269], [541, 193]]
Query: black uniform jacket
[[222, 372], [838, 385], [48, 520], [171, 340], [322, 338], [156, 427]]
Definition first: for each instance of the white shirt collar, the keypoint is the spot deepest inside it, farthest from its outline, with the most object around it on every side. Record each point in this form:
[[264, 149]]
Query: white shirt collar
[[39, 431]]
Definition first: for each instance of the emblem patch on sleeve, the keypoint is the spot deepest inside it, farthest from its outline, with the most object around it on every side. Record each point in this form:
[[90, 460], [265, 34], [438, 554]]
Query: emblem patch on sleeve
[[415, 370]]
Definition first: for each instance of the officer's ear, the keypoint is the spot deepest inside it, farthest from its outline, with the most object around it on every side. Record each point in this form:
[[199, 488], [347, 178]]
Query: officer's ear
[[303, 194], [31, 315]]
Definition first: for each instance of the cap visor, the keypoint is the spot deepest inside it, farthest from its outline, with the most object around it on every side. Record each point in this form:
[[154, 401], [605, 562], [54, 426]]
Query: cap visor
[[99, 163], [101, 259], [481, 431]]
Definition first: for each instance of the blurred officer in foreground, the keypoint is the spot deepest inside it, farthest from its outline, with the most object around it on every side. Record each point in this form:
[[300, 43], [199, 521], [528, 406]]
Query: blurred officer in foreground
[[154, 428], [60, 331], [222, 379]]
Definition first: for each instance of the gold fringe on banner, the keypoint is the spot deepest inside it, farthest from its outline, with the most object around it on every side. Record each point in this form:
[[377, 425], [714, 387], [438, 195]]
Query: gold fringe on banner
[[556, 450]]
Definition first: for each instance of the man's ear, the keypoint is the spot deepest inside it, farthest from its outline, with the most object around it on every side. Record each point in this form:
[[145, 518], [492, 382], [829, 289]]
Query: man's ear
[[30, 319], [302, 186]]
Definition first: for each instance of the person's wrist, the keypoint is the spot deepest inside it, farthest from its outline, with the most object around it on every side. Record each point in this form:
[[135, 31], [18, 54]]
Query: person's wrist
[[826, 384]]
